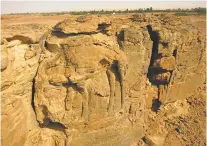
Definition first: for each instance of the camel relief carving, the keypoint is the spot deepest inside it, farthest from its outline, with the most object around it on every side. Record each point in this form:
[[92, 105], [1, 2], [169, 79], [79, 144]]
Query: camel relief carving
[[81, 63]]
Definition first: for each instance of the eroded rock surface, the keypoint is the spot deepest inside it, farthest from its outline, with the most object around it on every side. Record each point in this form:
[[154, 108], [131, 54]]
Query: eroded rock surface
[[103, 80], [84, 86], [17, 74]]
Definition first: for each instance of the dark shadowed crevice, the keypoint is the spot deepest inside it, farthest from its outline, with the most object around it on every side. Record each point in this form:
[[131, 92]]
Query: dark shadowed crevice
[[24, 39], [154, 36], [152, 71], [156, 103], [60, 34], [33, 95], [120, 39], [147, 141], [165, 45], [48, 123], [103, 26], [175, 53], [3, 69], [115, 70], [54, 126]]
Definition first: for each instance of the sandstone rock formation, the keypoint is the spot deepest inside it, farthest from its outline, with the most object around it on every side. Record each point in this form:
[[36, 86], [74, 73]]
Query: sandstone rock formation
[[82, 86], [18, 68], [93, 81]]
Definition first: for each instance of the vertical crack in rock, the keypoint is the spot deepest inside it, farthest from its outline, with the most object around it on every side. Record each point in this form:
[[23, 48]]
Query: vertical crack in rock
[[67, 96], [154, 36], [112, 90], [162, 66], [111, 74], [156, 103], [118, 78], [175, 53], [201, 56], [120, 39], [81, 71], [173, 73], [33, 94], [40, 50]]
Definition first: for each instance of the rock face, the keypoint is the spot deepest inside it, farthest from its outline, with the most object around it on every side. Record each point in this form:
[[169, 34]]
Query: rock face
[[17, 74], [84, 87], [92, 81]]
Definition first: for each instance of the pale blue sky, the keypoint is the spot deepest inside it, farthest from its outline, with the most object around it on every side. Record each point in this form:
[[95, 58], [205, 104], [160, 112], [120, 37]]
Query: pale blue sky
[[55, 6]]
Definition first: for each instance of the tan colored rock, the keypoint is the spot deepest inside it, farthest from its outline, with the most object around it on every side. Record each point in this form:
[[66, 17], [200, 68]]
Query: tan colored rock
[[29, 54], [16, 93], [28, 33], [162, 78], [140, 18], [165, 63], [45, 136], [83, 24], [25, 38], [154, 140], [4, 60], [165, 35], [96, 79], [89, 74]]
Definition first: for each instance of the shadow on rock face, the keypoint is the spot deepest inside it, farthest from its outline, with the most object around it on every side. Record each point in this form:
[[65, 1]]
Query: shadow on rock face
[[156, 103]]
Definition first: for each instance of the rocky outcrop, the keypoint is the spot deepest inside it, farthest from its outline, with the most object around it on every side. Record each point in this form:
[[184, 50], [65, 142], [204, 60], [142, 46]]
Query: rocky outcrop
[[94, 81], [18, 69], [84, 86]]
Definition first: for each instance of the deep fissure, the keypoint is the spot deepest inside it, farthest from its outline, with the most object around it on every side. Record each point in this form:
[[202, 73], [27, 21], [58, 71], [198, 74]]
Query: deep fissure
[[157, 75], [33, 94], [154, 36]]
